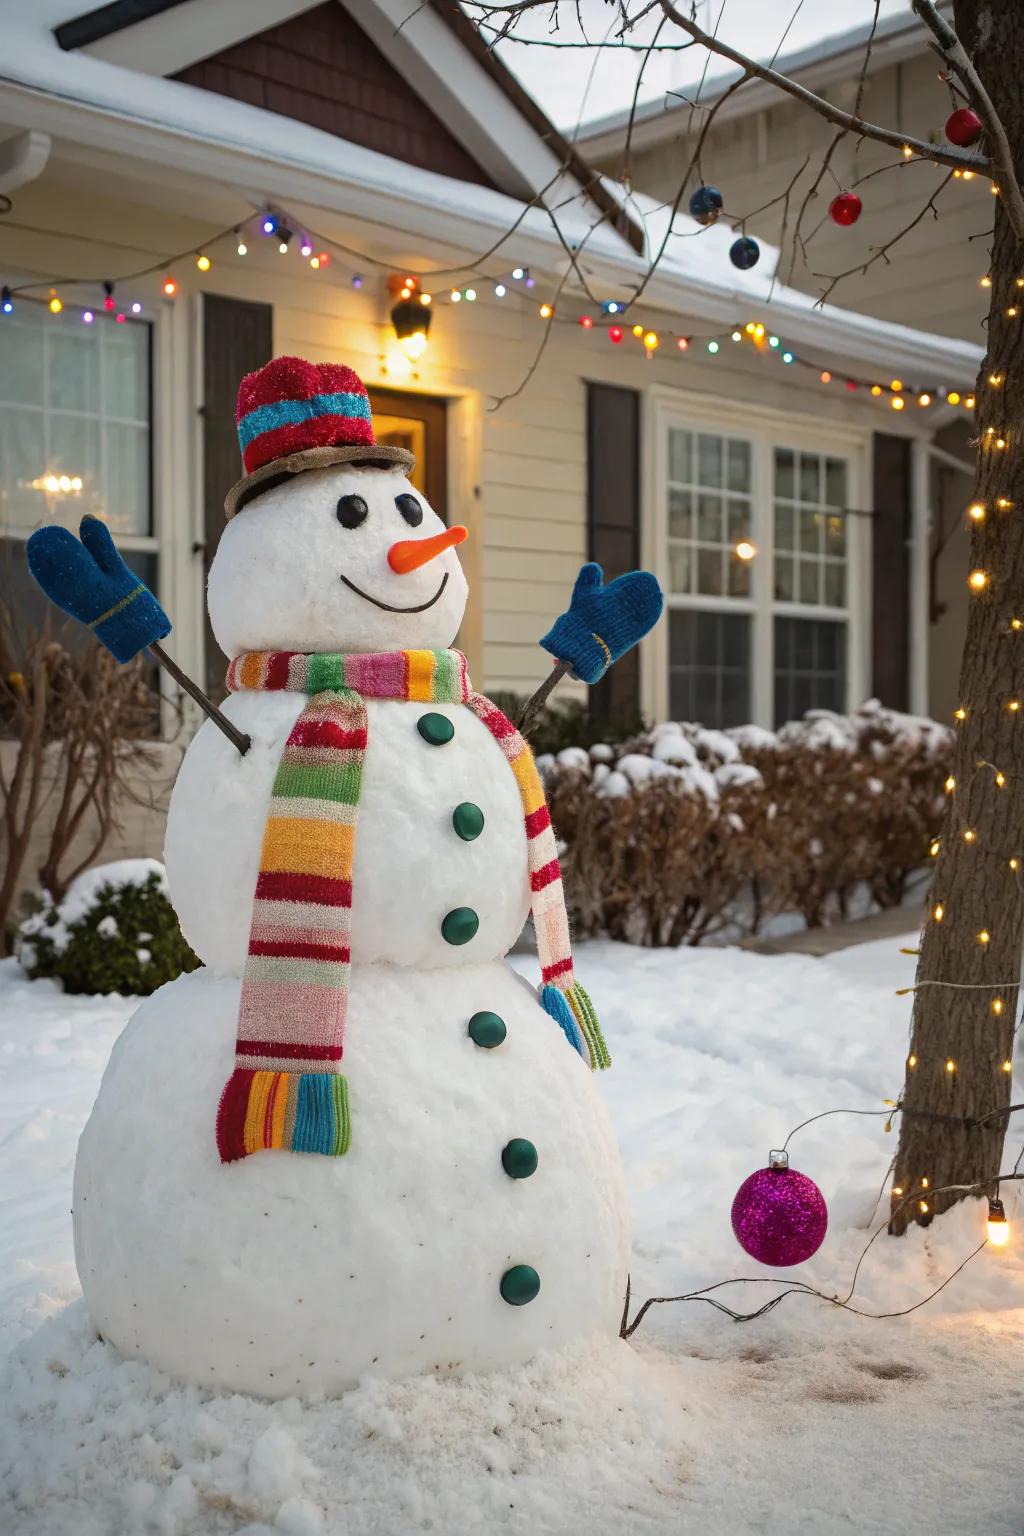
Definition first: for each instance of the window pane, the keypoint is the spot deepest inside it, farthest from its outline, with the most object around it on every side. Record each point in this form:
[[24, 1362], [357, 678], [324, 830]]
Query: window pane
[[709, 572], [709, 518], [21, 360], [809, 467], [709, 459], [807, 589], [810, 531], [835, 535], [738, 466], [785, 578], [810, 666], [738, 521], [679, 567], [709, 667], [73, 367], [22, 462], [739, 576], [75, 453], [784, 481], [127, 462], [835, 482], [679, 525], [835, 585], [126, 372], [783, 526], [679, 456]]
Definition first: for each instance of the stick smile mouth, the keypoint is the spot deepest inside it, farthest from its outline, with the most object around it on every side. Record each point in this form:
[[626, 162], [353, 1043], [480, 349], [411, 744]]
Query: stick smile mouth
[[391, 607]]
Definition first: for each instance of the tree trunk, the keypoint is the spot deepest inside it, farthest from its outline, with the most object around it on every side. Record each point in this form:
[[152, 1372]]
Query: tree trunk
[[962, 1036]]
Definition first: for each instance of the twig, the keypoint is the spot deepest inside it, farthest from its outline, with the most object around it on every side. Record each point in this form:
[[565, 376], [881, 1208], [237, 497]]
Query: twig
[[881, 252]]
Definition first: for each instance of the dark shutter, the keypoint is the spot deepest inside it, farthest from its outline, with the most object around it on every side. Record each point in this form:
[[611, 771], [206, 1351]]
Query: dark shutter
[[890, 571], [613, 525], [238, 337]]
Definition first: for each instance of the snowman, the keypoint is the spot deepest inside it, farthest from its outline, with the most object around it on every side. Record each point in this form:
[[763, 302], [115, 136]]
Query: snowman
[[355, 1140]]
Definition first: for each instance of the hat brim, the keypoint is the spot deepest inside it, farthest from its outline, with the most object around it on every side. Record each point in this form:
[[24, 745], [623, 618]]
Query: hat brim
[[380, 456]]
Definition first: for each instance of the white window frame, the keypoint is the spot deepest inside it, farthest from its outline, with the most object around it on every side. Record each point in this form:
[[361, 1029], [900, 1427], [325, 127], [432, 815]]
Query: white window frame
[[765, 430], [171, 499]]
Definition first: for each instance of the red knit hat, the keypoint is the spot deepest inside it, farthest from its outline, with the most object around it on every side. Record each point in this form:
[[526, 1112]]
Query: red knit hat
[[294, 415]]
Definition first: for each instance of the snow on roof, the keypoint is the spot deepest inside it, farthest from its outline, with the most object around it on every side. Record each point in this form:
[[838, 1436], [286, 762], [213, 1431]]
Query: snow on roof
[[659, 118], [179, 131]]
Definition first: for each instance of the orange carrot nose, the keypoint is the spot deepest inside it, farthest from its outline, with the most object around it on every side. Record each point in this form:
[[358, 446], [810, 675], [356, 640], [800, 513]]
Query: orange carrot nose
[[409, 554]]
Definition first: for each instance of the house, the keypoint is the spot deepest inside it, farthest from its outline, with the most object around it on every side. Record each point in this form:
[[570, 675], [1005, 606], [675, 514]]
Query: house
[[215, 182], [934, 277]]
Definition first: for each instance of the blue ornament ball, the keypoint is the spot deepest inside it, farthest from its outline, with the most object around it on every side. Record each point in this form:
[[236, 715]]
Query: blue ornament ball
[[706, 204], [744, 253]]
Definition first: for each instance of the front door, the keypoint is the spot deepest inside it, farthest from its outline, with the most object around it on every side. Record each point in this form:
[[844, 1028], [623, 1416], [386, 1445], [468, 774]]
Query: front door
[[418, 423]]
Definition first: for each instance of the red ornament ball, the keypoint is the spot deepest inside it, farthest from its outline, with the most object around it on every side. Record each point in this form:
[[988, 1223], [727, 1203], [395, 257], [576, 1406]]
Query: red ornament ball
[[779, 1216], [845, 209], [963, 127]]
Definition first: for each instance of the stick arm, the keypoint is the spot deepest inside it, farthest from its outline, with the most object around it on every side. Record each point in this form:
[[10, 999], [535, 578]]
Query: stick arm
[[236, 737]]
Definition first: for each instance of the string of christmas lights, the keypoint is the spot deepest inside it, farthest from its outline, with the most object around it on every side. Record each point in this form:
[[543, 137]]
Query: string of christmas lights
[[517, 283]]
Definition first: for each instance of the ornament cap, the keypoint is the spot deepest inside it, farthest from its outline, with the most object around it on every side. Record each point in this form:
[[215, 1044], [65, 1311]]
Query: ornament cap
[[778, 1159]]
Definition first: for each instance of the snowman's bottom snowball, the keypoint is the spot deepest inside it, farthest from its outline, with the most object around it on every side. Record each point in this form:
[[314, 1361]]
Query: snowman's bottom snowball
[[288, 1274]]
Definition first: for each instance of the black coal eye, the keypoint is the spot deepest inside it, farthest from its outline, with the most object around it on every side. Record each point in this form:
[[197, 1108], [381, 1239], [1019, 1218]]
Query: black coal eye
[[352, 511], [410, 509]]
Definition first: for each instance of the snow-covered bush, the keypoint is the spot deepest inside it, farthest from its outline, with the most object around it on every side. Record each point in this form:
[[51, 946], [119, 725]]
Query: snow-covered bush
[[682, 832], [114, 931]]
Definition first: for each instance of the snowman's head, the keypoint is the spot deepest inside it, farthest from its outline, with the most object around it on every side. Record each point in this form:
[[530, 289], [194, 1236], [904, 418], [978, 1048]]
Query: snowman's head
[[327, 561]]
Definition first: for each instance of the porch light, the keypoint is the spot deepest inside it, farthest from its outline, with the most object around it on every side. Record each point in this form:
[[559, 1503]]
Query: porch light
[[411, 321], [745, 550], [998, 1226]]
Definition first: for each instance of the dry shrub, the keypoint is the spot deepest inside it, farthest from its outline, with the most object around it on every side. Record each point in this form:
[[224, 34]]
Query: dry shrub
[[685, 833]]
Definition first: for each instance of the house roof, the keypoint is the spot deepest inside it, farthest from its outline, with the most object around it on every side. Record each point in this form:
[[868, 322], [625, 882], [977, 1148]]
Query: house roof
[[169, 142], [817, 66], [124, 31]]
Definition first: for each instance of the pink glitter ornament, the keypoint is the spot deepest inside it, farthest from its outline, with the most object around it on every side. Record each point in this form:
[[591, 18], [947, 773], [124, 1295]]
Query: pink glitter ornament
[[779, 1216]]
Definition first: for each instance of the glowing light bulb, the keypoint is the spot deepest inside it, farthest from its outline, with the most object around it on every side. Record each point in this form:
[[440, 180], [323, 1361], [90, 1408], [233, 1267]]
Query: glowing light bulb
[[471, 296], [951, 1068], [995, 379], [934, 850], [243, 249], [713, 347], [651, 341], [500, 290], [745, 550], [314, 262], [984, 937], [897, 1189], [998, 1226], [518, 273], [773, 341], [969, 403], [970, 835], [203, 263], [978, 581], [923, 1207], [638, 330], [426, 299], [953, 397], [1014, 706], [306, 249], [1007, 1066], [960, 714], [1017, 623], [170, 287], [1000, 779], [985, 282], [546, 311], [88, 317], [938, 912], [950, 784], [737, 335], [896, 385], [1015, 864], [586, 322], [55, 305], [876, 390], [997, 1006], [911, 1061], [455, 296], [1004, 504], [787, 357], [924, 1183], [924, 399], [976, 511], [825, 376], [897, 402]]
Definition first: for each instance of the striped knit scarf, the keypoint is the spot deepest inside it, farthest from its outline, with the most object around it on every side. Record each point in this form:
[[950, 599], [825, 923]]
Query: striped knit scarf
[[285, 1091]]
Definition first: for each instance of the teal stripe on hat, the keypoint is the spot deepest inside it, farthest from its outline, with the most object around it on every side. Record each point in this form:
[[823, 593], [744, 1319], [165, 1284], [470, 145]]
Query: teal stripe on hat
[[288, 413]]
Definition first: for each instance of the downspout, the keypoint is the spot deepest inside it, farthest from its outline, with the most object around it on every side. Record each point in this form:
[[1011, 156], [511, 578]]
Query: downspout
[[920, 576]]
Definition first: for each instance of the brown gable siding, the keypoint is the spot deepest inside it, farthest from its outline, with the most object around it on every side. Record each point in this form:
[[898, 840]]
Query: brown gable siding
[[321, 68]]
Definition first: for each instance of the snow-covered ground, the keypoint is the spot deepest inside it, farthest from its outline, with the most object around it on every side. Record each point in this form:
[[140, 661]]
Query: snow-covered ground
[[810, 1420]]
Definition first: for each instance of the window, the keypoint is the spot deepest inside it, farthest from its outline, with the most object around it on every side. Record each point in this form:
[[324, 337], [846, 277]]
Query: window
[[761, 554], [75, 436]]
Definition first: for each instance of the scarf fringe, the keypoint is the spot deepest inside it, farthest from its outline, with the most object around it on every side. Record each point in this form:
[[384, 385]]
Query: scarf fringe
[[283, 1111], [574, 1013]]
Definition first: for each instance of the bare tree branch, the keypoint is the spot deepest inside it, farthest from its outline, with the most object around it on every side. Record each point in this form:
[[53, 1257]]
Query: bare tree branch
[[881, 252], [955, 55], [942, 154]]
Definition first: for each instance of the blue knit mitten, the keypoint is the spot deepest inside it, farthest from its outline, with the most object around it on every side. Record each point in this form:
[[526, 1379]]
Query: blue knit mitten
[[603, 622], [91, 582]]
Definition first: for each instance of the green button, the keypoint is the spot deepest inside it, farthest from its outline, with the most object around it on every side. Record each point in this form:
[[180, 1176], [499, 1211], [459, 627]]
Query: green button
[[487, 1030], [519, 1285], [519, 1158], [436, 730], [468, 820], [459, 925]]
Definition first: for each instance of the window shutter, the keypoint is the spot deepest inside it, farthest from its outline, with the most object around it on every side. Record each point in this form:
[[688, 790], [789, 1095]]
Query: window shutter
[[890, 570], [613, 525], [238, 337]]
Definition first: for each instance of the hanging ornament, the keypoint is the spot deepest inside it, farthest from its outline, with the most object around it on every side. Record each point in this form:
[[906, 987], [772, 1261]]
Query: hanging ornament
[[706, 204], [779, 1216], [845, 209], [744, 253], [963, 127]]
